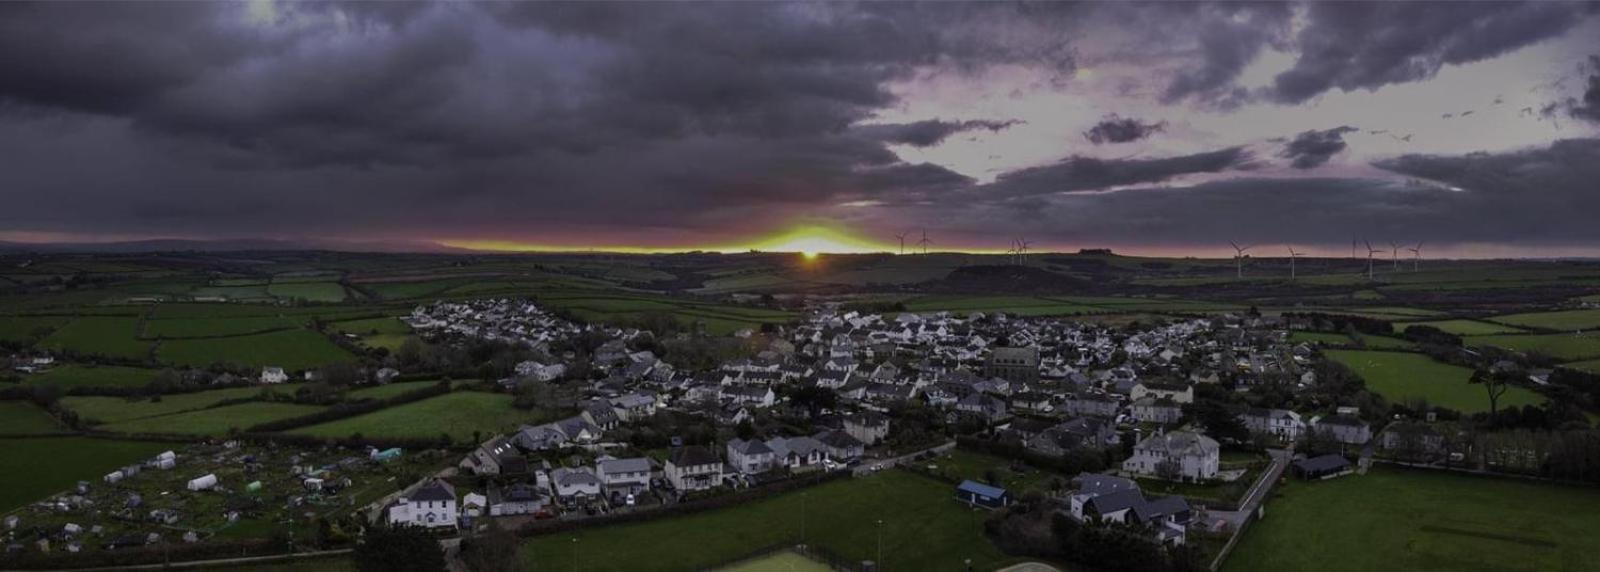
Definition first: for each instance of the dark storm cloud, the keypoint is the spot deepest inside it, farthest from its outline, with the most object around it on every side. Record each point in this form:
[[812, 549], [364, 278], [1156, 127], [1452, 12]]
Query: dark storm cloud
[[1313, 148], [930, 132], [1077, 174], [1362, 45], [1230, 38], [1116, 129], [1585, 107]]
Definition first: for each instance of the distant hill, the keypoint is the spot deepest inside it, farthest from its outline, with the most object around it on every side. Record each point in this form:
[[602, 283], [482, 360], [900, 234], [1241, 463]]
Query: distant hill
[[228, 245]]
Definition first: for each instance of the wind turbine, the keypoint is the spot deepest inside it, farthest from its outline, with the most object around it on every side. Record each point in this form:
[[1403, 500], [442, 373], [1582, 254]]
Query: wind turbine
[[902, 237], [1416, 256], [924, 242], [1292, 255], [1014, 251], [1238, 258], [1022, 250], [1395, 253], [1370, 251]]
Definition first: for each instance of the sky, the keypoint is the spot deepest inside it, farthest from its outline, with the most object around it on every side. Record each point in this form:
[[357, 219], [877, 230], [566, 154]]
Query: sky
[[1159, 128]]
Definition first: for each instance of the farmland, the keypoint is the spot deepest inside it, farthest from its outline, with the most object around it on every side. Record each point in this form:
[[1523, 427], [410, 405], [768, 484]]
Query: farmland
[[1393, 519], [1569, 320], [290, 349], [117, 409], [1403, 376], [1014, 305], [20, 329], [1467, 327], [212, 327], [213, 421], [33, 468], [25, 418], [75, 375], [924, 529], [1325, 338], [457, 414], [311, 291], [102, 335], [1562, 347]]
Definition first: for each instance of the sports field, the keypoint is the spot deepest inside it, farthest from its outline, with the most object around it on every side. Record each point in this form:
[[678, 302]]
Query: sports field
[[1563, 347], [786, 561], [457, 414], [924, 528], [33, 468], [213, 421], [1396, 519], [1400, 376], [289, 349]]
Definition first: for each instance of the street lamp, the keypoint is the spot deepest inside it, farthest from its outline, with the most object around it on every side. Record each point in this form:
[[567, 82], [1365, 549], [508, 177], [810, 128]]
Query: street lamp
[[880, 544], [574, 554]]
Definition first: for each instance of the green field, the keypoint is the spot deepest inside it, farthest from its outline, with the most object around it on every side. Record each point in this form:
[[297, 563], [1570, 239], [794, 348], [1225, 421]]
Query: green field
[[110, 336], [25, 418], [457, 414], [22, 329], [1591, 365], [1568, 320], [1393, 519], [1013, 305], [969, 465], [924, 529], [289, 349], [1383, 342], [786, 561], [1326, 338], [209, 327], [117, 409], [387, 391], [213, 421], [311, 291], [74, 375], [1562, 347], [718, 319], [388, 325], [1401, 376], [1467, 327], [34, 468]]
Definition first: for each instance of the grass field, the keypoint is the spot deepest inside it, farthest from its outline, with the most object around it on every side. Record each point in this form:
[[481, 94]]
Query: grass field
[[289, 349], [214, 421], [206, 327], [1327, 338], [1013, 305], [786, 561], [1569, 320], [1383, 342], [1467, 327], [1401, 376], [964, 464], [34, 468], [1563, 347], [388, 325], [1591, 365], [75, 375], [457, 414], [111, 336], [25, 418], [117, 409], [311, 291], [386, 391], [1392, 519], [718, 319], [924, 529], [22, 329]]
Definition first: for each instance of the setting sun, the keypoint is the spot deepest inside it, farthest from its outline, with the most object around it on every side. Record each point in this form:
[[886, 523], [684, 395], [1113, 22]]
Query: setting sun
[[811, 241]]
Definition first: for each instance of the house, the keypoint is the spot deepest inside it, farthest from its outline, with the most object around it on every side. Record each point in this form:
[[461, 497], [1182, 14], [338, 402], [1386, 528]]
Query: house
[[693, 468], [1282, 424], [841, 446], [749, 457], [1158, 411], [868, 427], [1176, 392], [600, 414], [1090, 404], [1411, 441], [519, 498], [634, 406], [1073, 434], [474, 505], [1346, 429], [1106, 498], [432, 505], [1179, 455], [797, 453], [628, 475], [752, 395], [1013, 364], [574, 485], [272, 374], [978, 494], [489, 457], [983, 406], [1321, 467]]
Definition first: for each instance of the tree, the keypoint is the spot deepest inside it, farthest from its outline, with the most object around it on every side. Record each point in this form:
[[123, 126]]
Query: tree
[[1494, 385], [493, 550], [399, 548], [1219, 422]]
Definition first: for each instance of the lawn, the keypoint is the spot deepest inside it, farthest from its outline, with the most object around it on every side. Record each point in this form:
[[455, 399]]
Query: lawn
[[88, 375], [25, 418], [1467, 327], [924, 528], [387, 391], [289, 349], [1562, 347], [110, 336], [1400, 376], [1394, 519], [312, 291], [210, 327], [27, 329], [214, 421], [1568, 320], [118, 409], [457, 414], [34, 468]]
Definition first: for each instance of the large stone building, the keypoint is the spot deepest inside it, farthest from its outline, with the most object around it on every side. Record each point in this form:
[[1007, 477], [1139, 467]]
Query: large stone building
[[1013, 364]]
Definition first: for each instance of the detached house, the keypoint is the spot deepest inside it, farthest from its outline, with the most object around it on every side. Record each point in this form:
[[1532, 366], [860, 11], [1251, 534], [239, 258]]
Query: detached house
[[1178, 454], [432, 505], [797, 453], [273, 375], [750, 457], [1346, 429], [1177, 392], [693, 468], [1280, 423], [1105, 498], [626, 475], [868, 427]]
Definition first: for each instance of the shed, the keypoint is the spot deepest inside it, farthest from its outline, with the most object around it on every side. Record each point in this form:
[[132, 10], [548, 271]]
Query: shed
[[203, 483], [1321, 467], [386, 454], [978, 494]]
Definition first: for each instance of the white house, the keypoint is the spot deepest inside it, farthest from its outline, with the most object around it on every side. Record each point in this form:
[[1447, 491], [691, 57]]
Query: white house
[[627, 475], [797, 453], [273, 374], [1280, 423], [1180, 454], [693, 468], [1176, 392], [432, 505], [519, 498], [749, 457], [575, 484], [868, 427]]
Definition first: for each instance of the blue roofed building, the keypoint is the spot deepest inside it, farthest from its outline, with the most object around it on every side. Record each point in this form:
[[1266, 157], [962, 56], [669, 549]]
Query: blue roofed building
[[978, 494]]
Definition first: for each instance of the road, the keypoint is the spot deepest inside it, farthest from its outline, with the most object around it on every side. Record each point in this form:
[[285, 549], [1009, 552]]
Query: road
[[1258, 492]]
